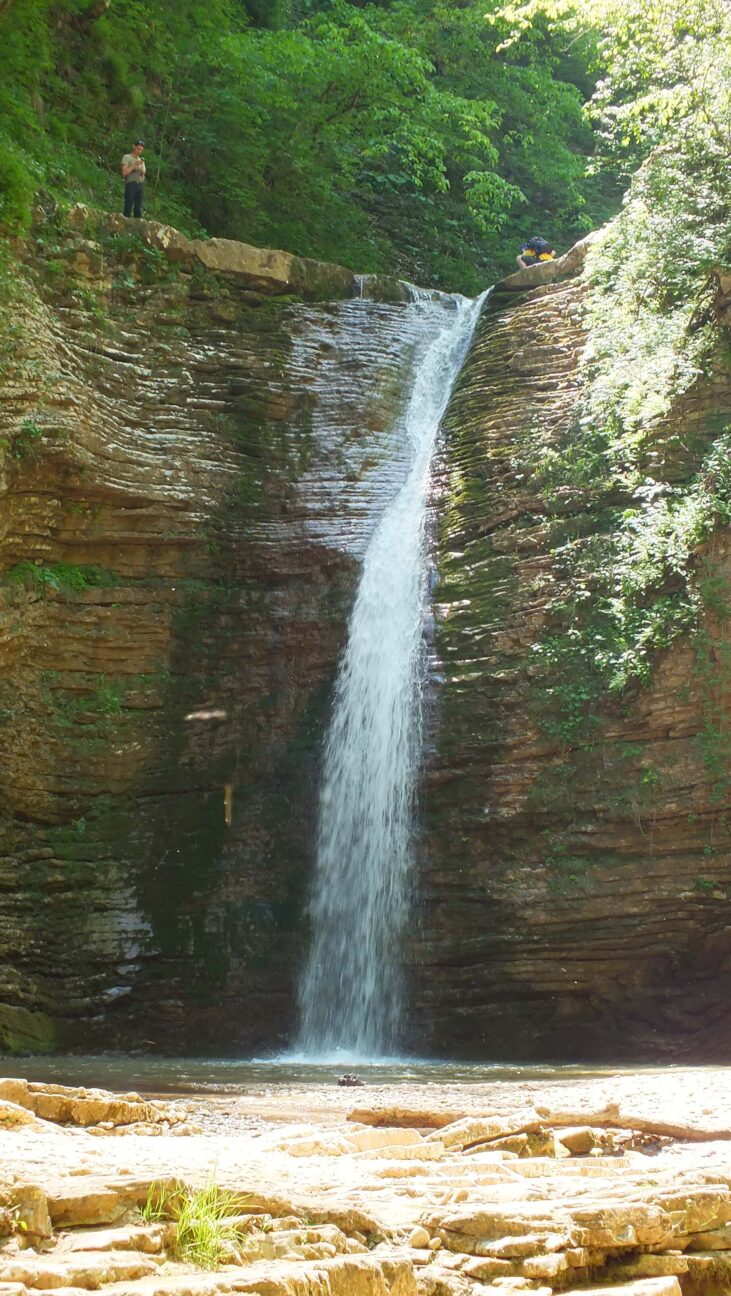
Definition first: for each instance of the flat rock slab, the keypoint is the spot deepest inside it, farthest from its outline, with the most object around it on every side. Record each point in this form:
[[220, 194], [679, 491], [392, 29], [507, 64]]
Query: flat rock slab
[[90, 1200], [342, 1276], [67, 1105], [149, 1238], [547, 272], [361, 1211], [89, 1270], [405, 1117]]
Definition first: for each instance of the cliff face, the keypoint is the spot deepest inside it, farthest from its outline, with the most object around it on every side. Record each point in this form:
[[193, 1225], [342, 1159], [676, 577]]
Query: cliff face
[[192, 457], [193, 453], [576, 888]]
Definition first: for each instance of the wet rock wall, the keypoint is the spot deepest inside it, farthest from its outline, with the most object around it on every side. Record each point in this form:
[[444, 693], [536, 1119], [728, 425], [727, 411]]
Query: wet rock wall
[[194, 443], [575, 891], [193, 447]]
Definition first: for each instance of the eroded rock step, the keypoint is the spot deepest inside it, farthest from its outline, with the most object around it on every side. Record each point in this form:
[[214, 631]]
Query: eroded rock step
[[537, 1201]]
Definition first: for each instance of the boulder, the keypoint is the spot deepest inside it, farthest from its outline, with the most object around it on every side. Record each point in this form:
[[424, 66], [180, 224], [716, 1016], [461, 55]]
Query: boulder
[[651, 1266], [622, 1224], [711, 1240], [370, 1275], [404, 1152], [13, 1115], [487, 1268], [89, 1271], [262, 268], [322, 280], [487, 1223], [547, 272], [271, 271], [64, 1105], [709, 1271], [517, 1284], [512, 1248], [550, 1267], [30, 1209], [15, 1092], [94, 1200], [542, 1143], [419, 1238], [579, 1139], [697, 1209], [151, 1238], [323, 1144]]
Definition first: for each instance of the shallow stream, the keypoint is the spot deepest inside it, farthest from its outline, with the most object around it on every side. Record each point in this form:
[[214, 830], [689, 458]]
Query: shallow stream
[[211, 1076]]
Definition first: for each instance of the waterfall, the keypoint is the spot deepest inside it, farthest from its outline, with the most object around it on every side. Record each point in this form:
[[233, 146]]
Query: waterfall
[[351, 993]]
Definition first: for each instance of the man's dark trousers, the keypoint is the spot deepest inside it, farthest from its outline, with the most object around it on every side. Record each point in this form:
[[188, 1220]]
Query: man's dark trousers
[[133, 194]]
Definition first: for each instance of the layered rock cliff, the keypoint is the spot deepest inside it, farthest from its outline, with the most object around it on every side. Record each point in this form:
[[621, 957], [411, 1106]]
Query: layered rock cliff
[[193, 457], [576, 885], [193, 450]]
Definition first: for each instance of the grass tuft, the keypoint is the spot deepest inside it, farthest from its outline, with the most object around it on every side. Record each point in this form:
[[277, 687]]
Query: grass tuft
[[205, 1227]]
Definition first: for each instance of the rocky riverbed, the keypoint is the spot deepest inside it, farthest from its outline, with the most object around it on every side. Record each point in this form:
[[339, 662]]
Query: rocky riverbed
[[620, 1184]]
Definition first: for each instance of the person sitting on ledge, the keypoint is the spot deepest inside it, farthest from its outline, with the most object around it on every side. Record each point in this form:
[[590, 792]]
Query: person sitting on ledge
[[133, 174], [533, 252]]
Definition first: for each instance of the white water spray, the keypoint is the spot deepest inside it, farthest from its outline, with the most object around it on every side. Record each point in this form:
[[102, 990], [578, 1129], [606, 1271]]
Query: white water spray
[[351, 995]]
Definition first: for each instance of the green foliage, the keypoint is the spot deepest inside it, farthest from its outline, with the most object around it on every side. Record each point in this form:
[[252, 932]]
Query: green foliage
[[16, 188], [62, 577], [13, 292], [204, 1228], [666, 70], [713, 672], [24, 442], [635, 583], [421, 136], [389, 136], [109, 696], [651, 333], [569, 872], [633, 590]]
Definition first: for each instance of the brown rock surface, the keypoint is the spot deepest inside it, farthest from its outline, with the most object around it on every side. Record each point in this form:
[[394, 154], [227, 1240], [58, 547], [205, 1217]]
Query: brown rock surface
[[191, 470], [187, 472], [575, 892]]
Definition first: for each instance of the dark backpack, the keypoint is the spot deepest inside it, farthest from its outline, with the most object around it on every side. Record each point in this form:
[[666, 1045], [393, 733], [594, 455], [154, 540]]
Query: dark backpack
[[539, 246]]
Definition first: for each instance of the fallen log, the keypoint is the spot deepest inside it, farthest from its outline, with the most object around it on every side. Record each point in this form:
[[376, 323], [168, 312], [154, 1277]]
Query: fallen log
[[614, 1117]]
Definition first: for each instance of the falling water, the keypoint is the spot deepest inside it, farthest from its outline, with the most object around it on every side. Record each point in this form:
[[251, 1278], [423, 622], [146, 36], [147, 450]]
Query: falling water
[[351, 995]]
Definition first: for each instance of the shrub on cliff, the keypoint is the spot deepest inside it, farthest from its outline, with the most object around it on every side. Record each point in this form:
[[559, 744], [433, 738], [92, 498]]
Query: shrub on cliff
[[664, 111], [16, 188]]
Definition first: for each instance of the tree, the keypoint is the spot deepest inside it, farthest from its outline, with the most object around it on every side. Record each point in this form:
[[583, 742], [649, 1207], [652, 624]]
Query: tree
[[406, 135]]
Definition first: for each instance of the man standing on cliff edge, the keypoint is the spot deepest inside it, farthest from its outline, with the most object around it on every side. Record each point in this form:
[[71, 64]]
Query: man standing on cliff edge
[[133, 174]]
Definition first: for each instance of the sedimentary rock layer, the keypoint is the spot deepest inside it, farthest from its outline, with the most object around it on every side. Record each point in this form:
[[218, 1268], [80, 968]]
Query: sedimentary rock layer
[[191, 465], [336, 1208], [193, 454], [576, 891]]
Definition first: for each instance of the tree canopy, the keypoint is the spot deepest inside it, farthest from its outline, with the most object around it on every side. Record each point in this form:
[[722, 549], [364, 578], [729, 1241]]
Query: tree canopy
[[426, 137]]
